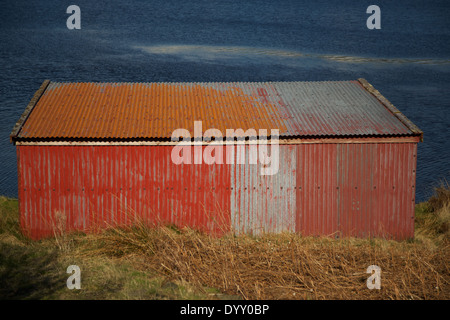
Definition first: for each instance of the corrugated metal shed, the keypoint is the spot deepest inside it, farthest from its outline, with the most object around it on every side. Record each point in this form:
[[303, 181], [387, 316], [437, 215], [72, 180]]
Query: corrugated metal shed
[[99, 154]]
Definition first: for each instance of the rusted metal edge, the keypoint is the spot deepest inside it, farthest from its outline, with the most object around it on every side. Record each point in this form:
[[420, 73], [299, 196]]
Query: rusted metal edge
[[168, 141], [403, 139], [397, 113], [19, 124]]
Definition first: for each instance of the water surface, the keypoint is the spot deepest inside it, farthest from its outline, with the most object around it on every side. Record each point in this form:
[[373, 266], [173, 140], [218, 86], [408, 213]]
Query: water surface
[[408, 60]]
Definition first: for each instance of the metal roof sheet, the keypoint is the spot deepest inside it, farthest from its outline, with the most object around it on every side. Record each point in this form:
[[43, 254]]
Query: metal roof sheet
[[61, 111]]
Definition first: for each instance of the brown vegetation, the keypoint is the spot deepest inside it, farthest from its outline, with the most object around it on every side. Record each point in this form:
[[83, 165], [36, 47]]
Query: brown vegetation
[[283, 266]]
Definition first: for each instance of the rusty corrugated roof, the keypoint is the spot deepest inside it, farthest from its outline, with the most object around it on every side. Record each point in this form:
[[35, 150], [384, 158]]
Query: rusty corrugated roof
[[62, 111]]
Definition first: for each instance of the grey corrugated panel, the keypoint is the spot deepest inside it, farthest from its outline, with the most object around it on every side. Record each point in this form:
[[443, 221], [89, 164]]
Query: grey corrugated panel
[[264, 203], [336, 108]]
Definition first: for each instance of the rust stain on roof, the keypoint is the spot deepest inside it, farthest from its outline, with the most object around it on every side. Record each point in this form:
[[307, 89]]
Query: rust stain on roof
[[89, 110], [155, 110]]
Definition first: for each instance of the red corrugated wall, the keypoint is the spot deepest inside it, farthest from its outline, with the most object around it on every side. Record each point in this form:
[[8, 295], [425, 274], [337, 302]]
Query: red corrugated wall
[[101, 186], [356, 189], [337, 189]]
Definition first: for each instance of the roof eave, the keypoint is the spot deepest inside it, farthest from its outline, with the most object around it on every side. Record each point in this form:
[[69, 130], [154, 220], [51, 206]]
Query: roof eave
[[279, 140]]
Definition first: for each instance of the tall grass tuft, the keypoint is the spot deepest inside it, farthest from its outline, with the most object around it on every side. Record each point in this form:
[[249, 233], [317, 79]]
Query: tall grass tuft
[[433, 216]]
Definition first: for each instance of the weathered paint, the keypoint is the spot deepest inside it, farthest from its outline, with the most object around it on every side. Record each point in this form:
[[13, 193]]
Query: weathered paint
[[144, 110], [336, 189], [68, 111], [357, 190], [264, 203], [101, 186], [99, 155]]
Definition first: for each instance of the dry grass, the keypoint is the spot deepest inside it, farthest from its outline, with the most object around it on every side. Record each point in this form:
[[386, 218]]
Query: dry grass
[[441, 197], [37, 269], [288, 266], [433, 217], [283, 266]]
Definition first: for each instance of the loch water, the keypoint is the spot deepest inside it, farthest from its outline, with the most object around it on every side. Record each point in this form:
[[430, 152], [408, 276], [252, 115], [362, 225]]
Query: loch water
[[407, 60]]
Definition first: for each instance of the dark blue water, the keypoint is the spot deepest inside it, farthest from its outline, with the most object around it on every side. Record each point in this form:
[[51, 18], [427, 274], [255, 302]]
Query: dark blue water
[[408, 60]]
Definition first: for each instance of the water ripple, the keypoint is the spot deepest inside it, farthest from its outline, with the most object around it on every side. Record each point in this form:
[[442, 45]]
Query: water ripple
[[222, 52]]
